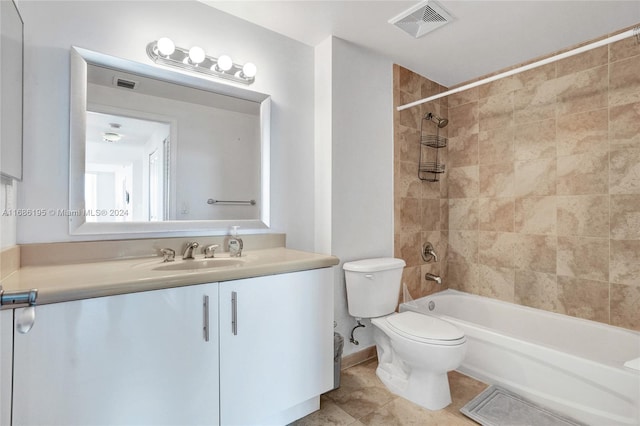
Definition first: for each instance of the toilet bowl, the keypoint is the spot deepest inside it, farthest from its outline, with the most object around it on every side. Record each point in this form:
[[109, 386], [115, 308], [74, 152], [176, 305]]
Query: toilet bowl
[[415, 351]]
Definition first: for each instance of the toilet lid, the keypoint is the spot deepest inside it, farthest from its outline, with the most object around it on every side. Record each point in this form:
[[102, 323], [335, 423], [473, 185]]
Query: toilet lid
[[425, 328]]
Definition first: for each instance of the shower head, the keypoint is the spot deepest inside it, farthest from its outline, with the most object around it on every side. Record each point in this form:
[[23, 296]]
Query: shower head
[[441, 122]]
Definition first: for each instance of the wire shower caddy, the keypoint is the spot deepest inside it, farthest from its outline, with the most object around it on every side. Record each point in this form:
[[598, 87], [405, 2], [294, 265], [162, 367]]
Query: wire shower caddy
[[429, 166]]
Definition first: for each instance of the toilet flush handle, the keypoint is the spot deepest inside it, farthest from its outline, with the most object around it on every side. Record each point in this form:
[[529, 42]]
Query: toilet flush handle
[[370, 276]]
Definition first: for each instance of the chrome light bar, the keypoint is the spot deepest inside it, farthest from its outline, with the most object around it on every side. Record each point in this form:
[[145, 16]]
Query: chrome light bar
[[195, 59]]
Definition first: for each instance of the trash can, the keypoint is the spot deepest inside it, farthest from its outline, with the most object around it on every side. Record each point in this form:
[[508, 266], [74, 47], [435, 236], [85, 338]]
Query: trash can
[[338, 344]]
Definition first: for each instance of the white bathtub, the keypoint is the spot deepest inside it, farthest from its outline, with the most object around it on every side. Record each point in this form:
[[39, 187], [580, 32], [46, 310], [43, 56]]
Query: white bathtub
[[568, 364]]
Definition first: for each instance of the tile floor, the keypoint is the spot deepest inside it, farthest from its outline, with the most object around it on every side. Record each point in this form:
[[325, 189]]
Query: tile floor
[[362, 399]]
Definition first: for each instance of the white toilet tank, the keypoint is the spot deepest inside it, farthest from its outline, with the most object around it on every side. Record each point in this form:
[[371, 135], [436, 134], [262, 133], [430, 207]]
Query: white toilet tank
[[373, 286]]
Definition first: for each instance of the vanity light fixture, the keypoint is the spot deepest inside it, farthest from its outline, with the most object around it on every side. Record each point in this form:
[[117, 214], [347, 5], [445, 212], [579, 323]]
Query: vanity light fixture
[[165, 52]]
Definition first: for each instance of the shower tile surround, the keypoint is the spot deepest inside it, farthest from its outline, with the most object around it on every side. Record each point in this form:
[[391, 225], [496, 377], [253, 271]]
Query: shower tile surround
[[420, 208], [540, 204]]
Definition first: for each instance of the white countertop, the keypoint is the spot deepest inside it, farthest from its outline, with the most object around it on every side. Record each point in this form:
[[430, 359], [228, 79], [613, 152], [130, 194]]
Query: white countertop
[[62, 283]]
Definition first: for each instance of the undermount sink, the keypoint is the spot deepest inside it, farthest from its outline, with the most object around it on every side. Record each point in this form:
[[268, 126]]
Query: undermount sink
[[195, 264]]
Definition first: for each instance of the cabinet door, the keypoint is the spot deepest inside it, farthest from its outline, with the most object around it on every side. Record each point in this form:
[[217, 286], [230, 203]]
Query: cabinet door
[[281, 353], [138, 358], [6, 350]]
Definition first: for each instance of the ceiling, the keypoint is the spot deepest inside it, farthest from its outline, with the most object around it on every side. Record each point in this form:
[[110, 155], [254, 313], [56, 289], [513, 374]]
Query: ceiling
[[134, 131], [484, 37]]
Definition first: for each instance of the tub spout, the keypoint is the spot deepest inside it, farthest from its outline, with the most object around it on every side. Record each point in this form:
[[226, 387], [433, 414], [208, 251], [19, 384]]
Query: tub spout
[[430, 277]]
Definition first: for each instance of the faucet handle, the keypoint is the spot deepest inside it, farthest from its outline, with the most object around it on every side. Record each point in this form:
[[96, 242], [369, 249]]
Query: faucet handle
[[429, 253], [169, 255], [209, 251]]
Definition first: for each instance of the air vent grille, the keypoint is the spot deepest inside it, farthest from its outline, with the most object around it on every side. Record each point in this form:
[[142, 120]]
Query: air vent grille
[[126, 84], [431, 15], [422, 18]]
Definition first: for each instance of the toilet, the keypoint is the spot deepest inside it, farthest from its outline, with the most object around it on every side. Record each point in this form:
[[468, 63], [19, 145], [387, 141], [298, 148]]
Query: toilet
[[415, 351]]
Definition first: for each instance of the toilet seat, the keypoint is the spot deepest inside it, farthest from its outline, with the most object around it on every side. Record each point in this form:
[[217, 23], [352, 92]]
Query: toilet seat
[[425, 329]]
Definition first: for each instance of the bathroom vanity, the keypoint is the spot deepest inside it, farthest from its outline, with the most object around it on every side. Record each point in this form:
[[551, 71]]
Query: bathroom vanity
[[172, 350]]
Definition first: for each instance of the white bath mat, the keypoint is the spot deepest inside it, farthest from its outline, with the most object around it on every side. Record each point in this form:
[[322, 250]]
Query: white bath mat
[[496, 406]]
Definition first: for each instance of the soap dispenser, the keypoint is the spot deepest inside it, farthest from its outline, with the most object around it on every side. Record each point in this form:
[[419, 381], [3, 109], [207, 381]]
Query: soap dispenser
[[235, 243]]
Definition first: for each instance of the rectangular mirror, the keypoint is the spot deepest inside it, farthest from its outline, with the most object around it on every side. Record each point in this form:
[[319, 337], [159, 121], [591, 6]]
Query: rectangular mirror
[[159, 150], [11, 81]]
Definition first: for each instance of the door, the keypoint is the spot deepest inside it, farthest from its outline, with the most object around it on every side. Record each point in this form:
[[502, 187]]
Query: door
[[278, 352], [140, 358]]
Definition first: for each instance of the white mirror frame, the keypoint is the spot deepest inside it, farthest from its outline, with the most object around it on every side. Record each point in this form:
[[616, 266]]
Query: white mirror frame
[[80, 58]]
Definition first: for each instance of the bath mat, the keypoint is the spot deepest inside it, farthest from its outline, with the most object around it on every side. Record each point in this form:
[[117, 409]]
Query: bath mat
[[496, 406]]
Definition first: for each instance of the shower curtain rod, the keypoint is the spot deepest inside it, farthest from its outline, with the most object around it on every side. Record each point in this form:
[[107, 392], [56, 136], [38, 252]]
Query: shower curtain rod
[[633, 32]]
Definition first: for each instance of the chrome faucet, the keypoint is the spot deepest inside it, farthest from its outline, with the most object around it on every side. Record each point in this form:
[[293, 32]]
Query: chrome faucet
[[430, 277], [188, 251]]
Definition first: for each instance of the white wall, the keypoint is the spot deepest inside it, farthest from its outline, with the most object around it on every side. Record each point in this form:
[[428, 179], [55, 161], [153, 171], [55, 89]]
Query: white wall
[[8, 201], [361, 122], [123, 29], [323, 131], [222, 162]]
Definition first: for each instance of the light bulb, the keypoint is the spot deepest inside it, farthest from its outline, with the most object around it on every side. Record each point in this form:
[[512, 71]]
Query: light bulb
[[165, 46], [196, 55], [249, 70], [224, 63]]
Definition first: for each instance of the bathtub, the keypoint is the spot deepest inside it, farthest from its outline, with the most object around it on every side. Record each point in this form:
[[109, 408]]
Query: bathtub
[[570, 365]]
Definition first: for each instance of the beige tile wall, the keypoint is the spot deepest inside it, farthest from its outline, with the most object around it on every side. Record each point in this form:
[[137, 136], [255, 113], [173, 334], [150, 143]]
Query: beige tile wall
[[420, 207], [544, 187], [540, 204]]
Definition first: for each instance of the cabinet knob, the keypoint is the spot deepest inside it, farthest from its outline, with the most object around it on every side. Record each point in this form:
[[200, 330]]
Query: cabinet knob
[[25, 319]]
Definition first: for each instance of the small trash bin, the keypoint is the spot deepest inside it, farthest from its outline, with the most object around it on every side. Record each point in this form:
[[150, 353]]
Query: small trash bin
[[338, 344]]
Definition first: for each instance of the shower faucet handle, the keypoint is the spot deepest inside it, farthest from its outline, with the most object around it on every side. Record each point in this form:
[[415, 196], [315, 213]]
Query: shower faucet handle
[[429, 253]]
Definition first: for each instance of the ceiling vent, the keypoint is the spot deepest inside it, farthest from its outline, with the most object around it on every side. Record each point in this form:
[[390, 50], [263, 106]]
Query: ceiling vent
[[126, 84], [422, 18]]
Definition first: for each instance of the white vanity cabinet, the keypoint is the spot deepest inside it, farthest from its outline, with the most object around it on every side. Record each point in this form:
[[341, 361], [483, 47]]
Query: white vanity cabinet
[[146, 358], [276, 346], [140, 358], [6, 355]]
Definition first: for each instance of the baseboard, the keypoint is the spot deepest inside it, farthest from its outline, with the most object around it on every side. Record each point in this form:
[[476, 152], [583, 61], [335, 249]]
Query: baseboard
[[358, 357]]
